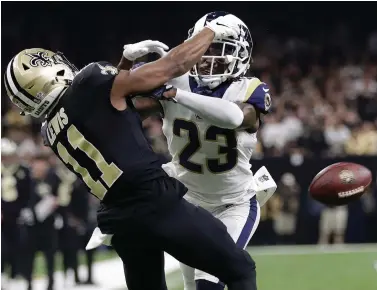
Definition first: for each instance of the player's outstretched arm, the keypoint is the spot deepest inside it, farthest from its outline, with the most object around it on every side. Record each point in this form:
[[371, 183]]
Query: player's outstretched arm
[[177, 62], [152, 75], [225, 114], [218, 112]]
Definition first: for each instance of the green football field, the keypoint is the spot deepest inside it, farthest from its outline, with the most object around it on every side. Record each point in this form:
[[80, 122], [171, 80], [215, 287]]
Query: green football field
[[351, 267], [310, 268]]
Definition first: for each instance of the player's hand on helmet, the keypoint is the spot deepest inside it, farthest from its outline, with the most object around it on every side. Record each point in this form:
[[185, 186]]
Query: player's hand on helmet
[[224, 26], [139, 49]]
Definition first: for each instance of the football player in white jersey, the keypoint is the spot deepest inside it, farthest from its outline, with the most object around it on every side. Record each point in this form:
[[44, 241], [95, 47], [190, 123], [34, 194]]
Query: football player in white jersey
[[211, 132]]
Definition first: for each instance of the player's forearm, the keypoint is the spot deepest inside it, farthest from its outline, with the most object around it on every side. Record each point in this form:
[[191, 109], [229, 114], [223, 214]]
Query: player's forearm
[[183, 57], [176, 63], [251, 117], [218, 112]]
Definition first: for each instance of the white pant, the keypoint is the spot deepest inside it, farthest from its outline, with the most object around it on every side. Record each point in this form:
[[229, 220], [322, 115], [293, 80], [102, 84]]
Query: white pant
[[241, 221]]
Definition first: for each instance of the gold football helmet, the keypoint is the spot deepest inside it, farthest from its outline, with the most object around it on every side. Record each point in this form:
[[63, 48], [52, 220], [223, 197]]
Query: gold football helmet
[[36, 78]]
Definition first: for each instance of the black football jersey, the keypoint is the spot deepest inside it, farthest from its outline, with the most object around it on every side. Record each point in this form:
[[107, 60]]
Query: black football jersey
[[16, 189], [104, 147]]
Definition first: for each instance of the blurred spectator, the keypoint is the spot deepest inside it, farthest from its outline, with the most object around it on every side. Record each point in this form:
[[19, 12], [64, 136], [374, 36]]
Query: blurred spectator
[[363, 140], [286, 219], [271, 133], [336, 134], [333, 221], [15, 193], [41, 233]]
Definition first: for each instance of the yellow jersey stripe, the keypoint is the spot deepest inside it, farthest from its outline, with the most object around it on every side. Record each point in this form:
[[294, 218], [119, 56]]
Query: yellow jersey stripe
[[253, 84]]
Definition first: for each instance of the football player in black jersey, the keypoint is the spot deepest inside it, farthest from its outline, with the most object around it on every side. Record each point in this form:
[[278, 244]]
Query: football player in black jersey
[[83, 219], [15, 193], [43, 203], [68, 239], [92, 127]]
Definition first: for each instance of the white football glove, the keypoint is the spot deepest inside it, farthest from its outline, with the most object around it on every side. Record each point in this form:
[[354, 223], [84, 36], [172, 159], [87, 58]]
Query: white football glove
[[224, 26], [139, 49]]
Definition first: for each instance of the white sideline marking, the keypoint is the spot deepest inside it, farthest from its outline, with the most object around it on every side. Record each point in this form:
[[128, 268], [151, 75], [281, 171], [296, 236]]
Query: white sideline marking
[[311, 249], [109, 274], [106, 274]]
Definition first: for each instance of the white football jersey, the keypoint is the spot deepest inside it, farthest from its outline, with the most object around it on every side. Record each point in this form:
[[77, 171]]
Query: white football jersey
[[212, 162]]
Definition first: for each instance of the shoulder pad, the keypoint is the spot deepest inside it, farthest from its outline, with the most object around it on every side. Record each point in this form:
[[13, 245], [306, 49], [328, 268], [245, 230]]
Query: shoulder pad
[[96, 73], [258, 95]]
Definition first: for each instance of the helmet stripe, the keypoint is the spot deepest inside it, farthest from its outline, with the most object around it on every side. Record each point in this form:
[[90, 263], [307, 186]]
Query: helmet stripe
[[13, 88], [13, 96], [19, 88], [213, 15]]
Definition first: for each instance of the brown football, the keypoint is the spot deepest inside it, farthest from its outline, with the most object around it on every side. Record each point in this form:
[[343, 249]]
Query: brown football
[[340, 183]]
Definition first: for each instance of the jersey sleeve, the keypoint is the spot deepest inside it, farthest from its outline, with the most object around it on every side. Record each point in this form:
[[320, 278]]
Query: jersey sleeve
[[258, 95], [91, 87]]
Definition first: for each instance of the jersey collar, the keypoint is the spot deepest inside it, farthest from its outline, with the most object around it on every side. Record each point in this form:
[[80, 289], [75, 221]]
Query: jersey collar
[[217, 92]]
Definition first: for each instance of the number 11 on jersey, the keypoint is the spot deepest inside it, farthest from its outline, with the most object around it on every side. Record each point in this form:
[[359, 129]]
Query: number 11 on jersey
[[110, 172]]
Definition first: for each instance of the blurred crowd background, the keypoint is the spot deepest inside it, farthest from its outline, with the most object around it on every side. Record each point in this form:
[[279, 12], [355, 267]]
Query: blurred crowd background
[[321, 66]]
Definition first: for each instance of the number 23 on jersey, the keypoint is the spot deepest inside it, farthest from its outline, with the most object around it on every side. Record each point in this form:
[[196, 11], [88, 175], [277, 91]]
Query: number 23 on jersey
[[214, 165]]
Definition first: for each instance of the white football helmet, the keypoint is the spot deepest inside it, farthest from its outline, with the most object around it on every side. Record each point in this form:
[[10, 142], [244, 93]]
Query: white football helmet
[[226, 58], [36, 78]]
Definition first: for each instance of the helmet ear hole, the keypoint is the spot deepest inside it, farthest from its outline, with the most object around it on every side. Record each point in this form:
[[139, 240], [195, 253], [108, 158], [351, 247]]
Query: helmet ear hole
[[60, 73], [25, 67]]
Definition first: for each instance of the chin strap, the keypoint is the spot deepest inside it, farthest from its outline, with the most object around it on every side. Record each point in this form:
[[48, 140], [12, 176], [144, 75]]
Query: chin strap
[[210, 82], [56, 100]]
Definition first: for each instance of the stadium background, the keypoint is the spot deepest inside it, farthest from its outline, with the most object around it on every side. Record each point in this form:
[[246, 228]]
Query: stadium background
[[320, 60]]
